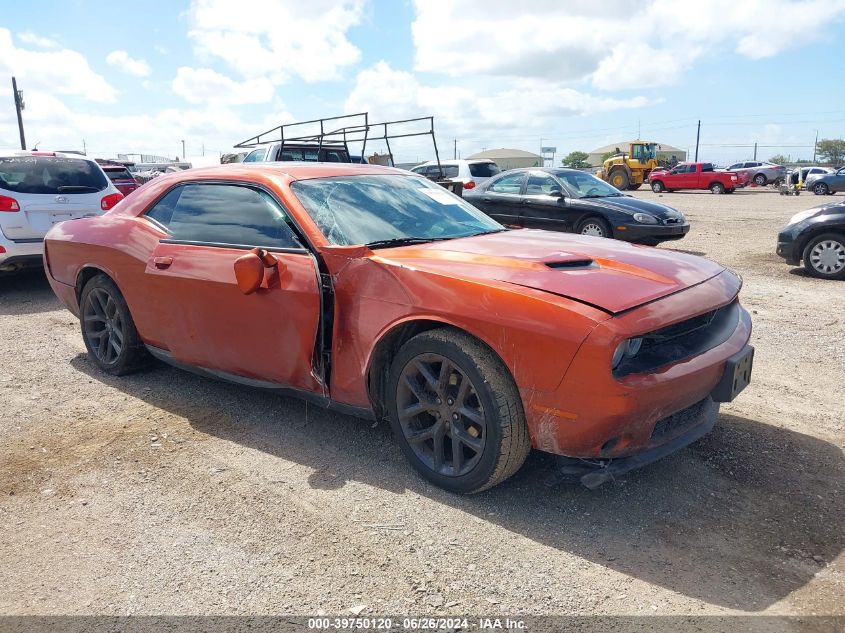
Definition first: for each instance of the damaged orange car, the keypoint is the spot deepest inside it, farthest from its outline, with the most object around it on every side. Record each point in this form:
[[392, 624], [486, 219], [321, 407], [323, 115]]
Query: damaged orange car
[[375, 292]]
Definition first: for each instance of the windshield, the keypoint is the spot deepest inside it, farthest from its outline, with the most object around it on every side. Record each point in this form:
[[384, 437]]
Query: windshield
[[50, 175], [583, 185], [364, 209]]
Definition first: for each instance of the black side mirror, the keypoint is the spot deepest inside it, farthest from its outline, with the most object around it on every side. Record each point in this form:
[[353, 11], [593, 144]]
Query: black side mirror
[[556, 193]]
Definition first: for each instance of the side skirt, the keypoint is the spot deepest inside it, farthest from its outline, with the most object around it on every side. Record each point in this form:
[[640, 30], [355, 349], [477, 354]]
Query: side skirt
[[309, 396]]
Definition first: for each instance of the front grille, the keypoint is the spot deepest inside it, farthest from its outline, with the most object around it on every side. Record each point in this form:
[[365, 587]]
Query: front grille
[[682, 340], [672, 221]]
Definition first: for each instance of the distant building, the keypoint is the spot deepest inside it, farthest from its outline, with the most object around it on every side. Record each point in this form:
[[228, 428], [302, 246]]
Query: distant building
[[665, 152], [509, 158]]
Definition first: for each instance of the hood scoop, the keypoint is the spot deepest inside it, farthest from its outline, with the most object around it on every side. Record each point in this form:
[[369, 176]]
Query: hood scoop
[[572, 264]]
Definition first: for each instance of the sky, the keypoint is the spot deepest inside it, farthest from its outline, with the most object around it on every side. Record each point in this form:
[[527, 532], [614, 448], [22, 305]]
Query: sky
[[141, 78]]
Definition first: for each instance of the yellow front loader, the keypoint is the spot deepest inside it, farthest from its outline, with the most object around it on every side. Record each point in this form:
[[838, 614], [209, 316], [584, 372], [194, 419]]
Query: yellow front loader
[[629, 170]]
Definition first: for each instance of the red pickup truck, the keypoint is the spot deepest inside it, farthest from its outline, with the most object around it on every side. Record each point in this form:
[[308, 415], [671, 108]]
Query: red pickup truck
[[693, 176]]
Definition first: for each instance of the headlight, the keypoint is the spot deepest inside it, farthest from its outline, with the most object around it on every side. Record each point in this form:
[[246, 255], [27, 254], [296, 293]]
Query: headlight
[[626, 349], [800, 217], [645, 218]]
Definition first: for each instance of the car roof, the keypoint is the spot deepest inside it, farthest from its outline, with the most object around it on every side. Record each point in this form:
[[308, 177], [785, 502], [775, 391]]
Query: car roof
[[11, 153], [456, 161], [293, 170]]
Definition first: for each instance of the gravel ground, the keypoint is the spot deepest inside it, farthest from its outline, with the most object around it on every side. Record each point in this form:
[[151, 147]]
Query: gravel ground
[[166, 493]]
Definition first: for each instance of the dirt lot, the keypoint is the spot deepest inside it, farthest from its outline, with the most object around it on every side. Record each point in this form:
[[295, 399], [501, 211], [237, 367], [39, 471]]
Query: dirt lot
[[166, 493]]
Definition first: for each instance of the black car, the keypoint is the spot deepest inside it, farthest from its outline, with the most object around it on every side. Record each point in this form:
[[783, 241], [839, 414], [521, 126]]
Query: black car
[[575, 201], [816, 237]]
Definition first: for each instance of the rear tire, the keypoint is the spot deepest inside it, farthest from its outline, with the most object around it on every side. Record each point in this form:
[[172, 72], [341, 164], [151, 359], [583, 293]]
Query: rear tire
[[462, 426], [634, 186], [108, 330], [717, 188], [824, 256], [597, 227], [657, 187], [760, 180]]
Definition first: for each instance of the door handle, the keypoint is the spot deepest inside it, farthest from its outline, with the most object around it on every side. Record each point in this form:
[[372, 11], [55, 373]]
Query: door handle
[[162, 262]]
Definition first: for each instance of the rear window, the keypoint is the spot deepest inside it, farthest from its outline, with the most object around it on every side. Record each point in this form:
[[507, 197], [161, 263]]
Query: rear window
[[707, 167], [50, 175], [118, 174], [484, 170]]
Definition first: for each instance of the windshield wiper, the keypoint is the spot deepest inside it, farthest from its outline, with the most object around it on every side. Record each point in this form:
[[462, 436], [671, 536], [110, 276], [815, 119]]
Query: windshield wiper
[[404, 241], [77, 188]]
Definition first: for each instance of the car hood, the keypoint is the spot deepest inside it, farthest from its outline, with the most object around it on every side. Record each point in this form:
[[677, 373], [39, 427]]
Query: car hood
[[610, 275], [629, 205]]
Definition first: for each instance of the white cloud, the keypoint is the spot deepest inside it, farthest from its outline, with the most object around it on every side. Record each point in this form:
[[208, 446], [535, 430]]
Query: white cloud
[[615, 43], [60, 71], [277, 39], [122, 61], [203, 85], [55, 125], [520, 108], [28, 37]]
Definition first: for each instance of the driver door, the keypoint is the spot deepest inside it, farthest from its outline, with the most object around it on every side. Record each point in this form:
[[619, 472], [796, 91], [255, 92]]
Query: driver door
[[541, 208], [202, 316]]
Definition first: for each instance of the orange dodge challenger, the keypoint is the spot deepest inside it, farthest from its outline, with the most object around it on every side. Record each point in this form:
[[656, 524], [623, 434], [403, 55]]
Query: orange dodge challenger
[[375, 292]]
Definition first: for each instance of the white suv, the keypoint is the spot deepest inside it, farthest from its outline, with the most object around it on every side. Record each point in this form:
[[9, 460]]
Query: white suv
[[470, 172], [40, 189]]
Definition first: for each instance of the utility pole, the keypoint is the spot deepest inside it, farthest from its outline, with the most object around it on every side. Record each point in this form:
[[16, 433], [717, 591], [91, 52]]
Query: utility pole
[[19, 105], [455, 152], [697, 137], [203, 149], [755, 150], [638, 130], [84, 148], [183, 149], [815, 146]]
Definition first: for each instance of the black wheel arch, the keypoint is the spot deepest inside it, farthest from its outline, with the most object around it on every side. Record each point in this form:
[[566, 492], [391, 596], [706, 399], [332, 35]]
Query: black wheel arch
[[86, 274]]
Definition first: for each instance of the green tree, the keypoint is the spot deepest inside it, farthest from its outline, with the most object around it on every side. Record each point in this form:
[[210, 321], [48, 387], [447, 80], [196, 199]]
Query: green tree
[[831, 150], [576, 160], [778, 159]]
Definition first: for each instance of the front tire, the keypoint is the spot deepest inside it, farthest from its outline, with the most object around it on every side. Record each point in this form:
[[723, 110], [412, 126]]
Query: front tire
[[597, 227], [456, 412], [108, 329], [657, 187], [824, 256], [717, 188], [619, 179], [821, 189]]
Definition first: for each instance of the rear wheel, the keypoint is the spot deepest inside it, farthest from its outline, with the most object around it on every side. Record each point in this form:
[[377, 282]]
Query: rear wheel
[[456, 411], [821, 189], [824, 256], [619, 179], [657, 186], [108, 329], [717, 188], [760, 180], [597, 227]]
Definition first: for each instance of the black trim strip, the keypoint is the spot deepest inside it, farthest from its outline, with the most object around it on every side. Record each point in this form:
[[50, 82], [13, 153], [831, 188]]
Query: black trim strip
[[240, 247]]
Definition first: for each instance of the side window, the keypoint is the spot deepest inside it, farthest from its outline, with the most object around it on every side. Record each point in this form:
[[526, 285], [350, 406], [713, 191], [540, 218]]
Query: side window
[[707, 167], [541, 185], [224, 214], [255, 156], [512, 183]]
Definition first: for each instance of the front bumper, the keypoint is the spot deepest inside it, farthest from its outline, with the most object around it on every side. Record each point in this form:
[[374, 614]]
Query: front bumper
[[16, 254], [787, 247], [636, 232], [670, 435]]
